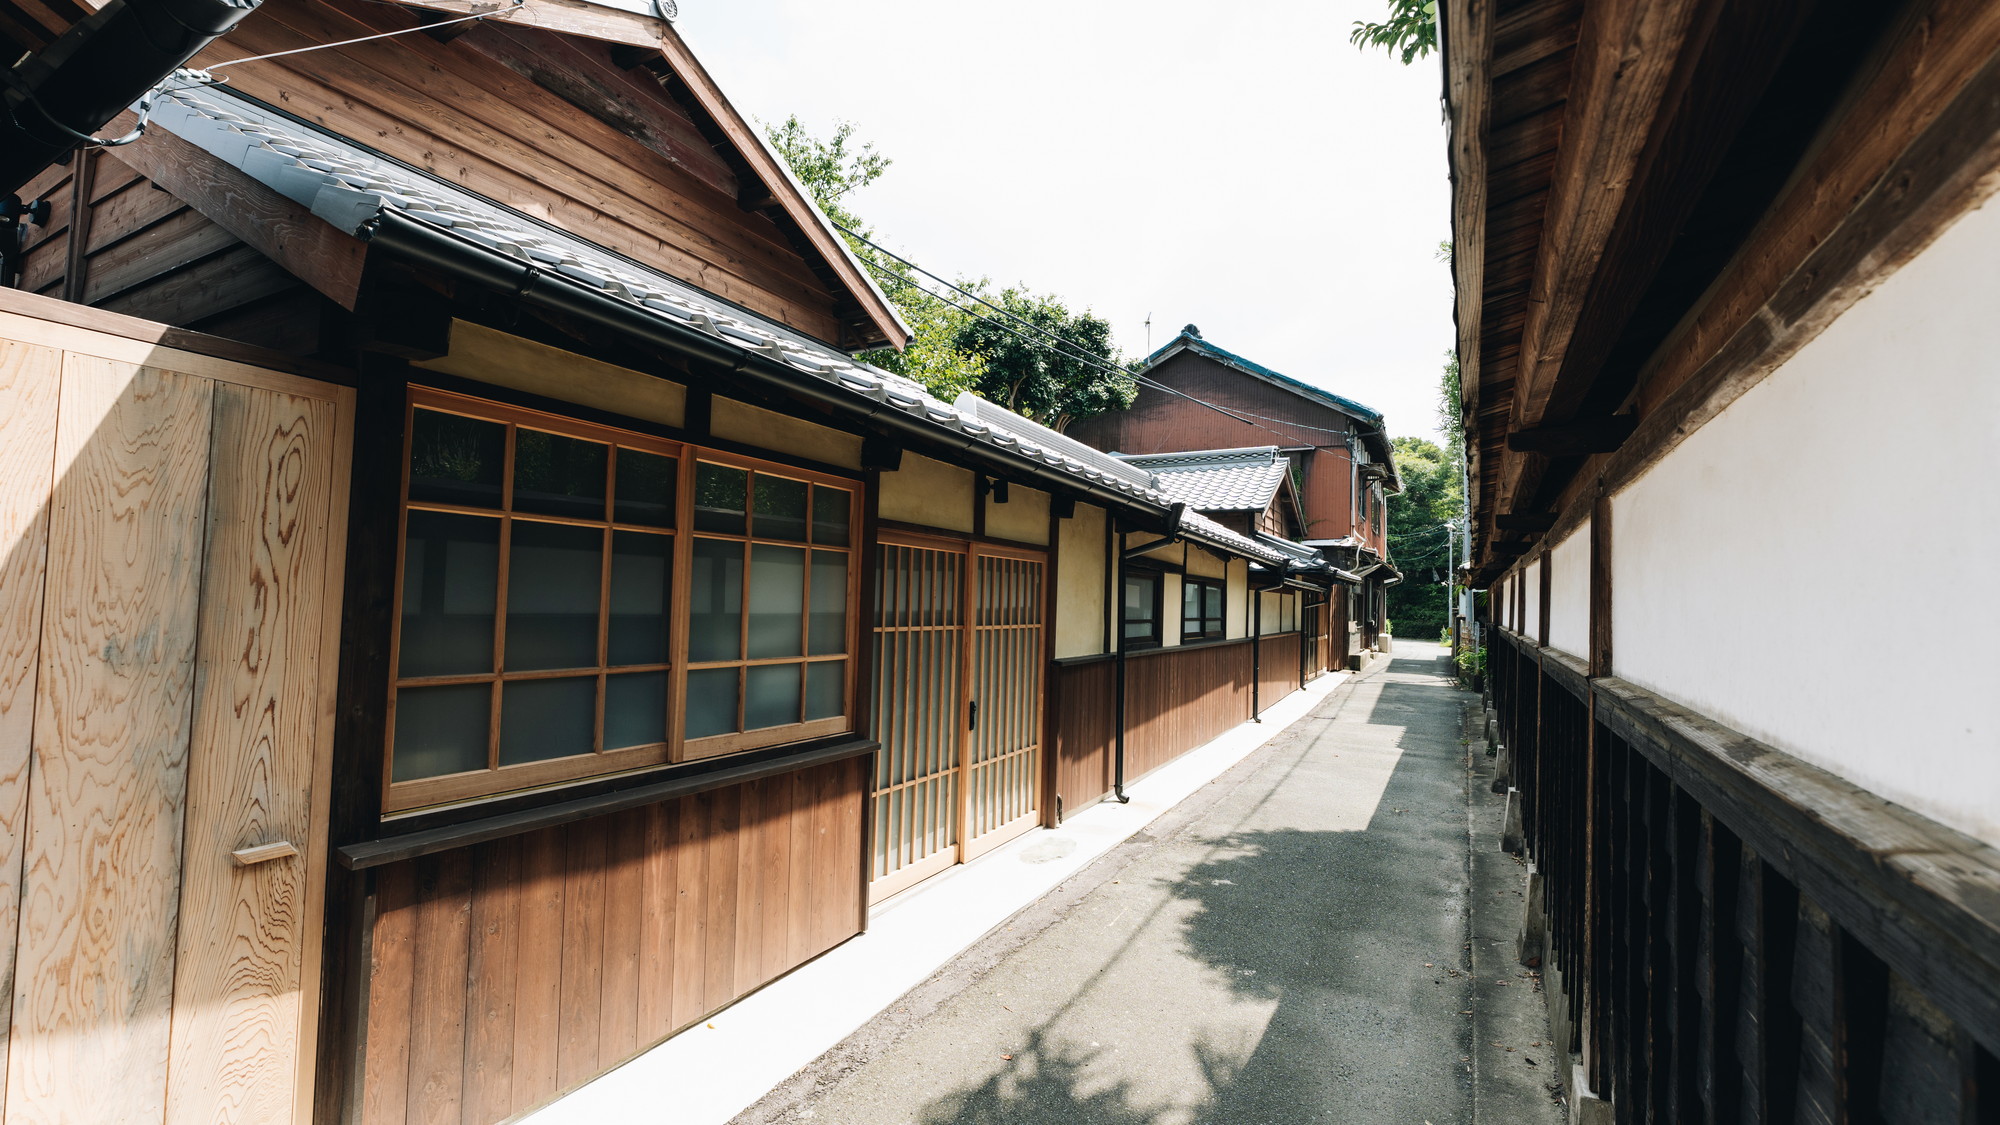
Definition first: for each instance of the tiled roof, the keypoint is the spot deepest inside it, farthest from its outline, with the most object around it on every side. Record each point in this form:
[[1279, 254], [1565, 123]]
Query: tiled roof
[[1217, 480], [1190, 339], [352, 188]]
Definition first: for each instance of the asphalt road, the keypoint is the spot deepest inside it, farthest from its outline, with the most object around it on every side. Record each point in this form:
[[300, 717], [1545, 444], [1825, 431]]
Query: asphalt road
[[1288, 946]]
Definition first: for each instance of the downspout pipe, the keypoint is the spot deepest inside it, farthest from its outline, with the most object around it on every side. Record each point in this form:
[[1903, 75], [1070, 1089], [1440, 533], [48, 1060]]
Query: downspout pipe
[[95, 70], [1256, 652], [1118, 745], [424, 245]]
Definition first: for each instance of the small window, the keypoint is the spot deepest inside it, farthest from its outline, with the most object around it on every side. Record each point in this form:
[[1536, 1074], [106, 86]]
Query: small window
[[1142, 609], [1201, 609]]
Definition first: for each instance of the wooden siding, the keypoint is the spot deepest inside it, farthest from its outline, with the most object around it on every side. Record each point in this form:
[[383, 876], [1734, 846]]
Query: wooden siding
[[1175, 700], [506, 974], [117, 241], [1162, 422], [546, 124], [171, 530], [1716, 920]]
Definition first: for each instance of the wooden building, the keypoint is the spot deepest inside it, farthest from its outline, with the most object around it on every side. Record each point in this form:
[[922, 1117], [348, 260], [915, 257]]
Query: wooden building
[[465, 617], [1343, 466], [1725, 278]]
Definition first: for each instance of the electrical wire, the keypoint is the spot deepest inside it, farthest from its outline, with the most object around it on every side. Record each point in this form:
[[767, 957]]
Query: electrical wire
[[508, 11], [1096, 362]]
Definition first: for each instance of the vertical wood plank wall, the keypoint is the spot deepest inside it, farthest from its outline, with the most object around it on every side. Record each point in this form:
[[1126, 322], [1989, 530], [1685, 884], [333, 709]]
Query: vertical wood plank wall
[[1175, 700], [169, 530], [506, 974], [1718, 964]]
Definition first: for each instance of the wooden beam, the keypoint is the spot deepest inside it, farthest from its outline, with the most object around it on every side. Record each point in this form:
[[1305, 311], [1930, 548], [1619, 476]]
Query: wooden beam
[[570, 17], [1466, 29], [1525, 521], [308, 247], [1570, 439]]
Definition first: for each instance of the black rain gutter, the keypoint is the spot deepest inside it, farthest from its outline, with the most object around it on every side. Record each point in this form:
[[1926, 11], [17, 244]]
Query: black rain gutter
[[422, 244], [92, 72]]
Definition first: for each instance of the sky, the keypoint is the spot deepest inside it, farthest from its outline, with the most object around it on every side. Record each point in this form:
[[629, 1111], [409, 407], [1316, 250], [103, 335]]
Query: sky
[[1238, 166]]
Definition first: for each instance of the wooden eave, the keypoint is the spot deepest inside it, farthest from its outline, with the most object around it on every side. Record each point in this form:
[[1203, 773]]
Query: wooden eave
[[652, 45], [1633, 182]]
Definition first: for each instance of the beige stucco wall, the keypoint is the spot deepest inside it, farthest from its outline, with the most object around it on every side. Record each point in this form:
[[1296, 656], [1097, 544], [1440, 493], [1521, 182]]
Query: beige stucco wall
[[1170, 611], [1236, 586], [754, 426], [929, 493], [1207, 564], [1081, 584], [487, 356], [1024, 518]]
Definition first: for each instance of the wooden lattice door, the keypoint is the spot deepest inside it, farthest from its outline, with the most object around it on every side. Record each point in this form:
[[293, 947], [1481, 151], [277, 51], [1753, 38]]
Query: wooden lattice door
[[958, 697], [1003, 760]]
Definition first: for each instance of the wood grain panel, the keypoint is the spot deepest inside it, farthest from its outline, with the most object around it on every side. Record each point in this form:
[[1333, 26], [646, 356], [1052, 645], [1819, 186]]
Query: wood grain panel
[[238, 974], [29, 383], [109, 771], [593, 941], [1084, 698]]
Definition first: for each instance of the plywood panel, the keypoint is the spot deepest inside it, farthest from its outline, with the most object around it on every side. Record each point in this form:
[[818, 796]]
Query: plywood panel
[[109, 769], [237, 985], [29, 380]]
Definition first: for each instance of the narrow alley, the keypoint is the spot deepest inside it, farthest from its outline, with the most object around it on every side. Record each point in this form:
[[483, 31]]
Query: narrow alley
[[1290, 944]]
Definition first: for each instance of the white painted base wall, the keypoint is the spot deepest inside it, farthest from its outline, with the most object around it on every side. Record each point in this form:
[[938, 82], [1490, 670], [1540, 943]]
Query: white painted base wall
[[1814, 567], [1569, 594]]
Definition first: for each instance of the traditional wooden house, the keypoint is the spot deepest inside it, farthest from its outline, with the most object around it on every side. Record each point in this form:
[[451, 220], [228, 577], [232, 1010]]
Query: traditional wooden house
[[1722, 270], [1200, 397], [465, 616]]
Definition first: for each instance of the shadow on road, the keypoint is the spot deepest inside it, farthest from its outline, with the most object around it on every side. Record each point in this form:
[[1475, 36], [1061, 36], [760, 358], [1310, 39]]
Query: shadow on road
[[1356, 937]]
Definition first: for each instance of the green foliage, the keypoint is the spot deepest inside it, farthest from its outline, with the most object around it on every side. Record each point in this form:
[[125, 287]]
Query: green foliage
[[1450, 408], [1411, 30], [1420, 543], [951, 350], [1471, 661], [1036, 377]]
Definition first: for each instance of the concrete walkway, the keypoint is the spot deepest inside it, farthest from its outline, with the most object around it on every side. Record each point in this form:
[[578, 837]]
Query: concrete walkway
[[1289, 945]]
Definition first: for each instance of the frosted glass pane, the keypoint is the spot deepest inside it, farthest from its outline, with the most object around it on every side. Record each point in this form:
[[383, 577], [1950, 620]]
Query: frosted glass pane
[[715, 618], [771, 696], [441, 730], [641, 566], [646, 491], [553, 578], [635, 709], [558, 476], [719, 495], [777, 600], [829, 604], [826, 694], [543, 719], [455, 460], [1191, 604], [451, 581], [781, 508], [711, 702], [830, 511]]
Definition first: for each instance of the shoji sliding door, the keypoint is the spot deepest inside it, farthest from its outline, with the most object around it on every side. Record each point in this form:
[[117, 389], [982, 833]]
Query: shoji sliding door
[[958, 698]]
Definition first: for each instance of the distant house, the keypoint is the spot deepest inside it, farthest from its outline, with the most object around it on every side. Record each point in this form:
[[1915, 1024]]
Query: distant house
[[1343, 468]]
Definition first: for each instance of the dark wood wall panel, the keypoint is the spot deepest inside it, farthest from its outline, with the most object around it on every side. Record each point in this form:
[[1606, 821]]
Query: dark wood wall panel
[[1721, 959], [508, 973], [1083, 699], [1278, 668]]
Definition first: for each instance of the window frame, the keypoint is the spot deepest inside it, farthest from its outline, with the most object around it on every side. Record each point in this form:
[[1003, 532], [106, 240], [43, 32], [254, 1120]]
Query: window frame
[[1156, 637], [596, 763], [1201, 631]]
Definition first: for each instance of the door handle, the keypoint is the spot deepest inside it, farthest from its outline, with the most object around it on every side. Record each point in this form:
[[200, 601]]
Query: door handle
[[972, 720], [263, 853]]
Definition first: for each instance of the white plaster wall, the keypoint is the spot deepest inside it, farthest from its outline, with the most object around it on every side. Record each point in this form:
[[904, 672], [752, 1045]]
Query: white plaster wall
[[1080, 584], [1569, 594], [1531, 616], [1814, 566]]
